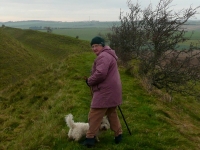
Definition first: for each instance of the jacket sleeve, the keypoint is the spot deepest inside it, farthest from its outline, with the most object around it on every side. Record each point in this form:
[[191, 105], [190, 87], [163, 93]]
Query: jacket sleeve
[[101, 70]]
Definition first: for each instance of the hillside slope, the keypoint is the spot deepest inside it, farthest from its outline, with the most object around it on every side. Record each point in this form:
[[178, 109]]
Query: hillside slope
[[16, 61], [24, 52], [33, 111]]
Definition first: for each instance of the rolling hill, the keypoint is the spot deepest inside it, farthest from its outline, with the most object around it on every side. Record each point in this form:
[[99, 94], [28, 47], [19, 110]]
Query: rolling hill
[[24, 52], [33, 108]]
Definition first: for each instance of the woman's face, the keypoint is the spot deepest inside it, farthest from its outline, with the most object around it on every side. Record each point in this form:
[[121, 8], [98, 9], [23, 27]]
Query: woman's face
[[97, 48]]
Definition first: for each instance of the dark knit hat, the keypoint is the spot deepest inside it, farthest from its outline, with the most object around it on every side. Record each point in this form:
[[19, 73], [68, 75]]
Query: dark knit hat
[[97, 40]]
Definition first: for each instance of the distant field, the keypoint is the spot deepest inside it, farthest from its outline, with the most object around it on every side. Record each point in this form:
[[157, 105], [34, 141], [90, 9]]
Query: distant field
[[192, 26], [85, 30], [59, 24], [195, 36], [89, 33], [83, 33]]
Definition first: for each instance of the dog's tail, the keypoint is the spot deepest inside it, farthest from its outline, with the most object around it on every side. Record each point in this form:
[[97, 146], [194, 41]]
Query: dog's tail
[[69, 121]]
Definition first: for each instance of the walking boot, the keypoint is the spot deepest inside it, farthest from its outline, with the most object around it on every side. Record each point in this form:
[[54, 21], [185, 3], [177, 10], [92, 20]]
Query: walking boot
[[118, 138], [89, 142]]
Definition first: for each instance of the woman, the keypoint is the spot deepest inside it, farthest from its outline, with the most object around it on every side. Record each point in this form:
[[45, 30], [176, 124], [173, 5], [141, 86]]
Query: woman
[[106, 86]]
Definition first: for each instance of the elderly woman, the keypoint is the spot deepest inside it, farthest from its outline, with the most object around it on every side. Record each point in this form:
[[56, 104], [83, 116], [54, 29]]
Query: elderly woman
[[106, 86]]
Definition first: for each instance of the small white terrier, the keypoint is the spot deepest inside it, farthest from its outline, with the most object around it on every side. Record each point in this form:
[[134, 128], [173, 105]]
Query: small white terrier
[[78, 129]]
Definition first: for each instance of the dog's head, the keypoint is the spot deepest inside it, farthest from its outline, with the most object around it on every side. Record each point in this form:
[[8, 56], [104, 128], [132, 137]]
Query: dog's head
[[105, 125]]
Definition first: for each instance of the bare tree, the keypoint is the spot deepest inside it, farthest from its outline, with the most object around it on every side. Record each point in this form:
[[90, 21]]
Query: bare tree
[[154, 37], [127, 38]]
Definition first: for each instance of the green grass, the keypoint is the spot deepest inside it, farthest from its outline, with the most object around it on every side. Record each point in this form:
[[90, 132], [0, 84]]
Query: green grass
[[195, 35], [195, 39], [24, 52], [82, 33], [33, 111]]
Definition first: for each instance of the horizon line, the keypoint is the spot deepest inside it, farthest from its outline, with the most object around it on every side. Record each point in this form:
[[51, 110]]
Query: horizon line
[[60, 21]]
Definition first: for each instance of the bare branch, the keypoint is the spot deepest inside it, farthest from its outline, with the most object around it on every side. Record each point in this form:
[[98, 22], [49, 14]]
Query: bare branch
[[154, 36]]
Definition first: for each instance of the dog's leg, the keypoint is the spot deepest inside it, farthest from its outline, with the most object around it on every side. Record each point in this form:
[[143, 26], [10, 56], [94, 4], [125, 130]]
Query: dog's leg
[[97, 138]]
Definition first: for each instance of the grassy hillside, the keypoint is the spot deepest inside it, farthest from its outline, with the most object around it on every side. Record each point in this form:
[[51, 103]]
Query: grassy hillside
[[23, 52], [15, 60], [33, 110]]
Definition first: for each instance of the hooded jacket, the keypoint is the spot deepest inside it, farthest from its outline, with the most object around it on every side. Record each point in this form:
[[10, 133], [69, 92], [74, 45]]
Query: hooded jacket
[[105, 80]]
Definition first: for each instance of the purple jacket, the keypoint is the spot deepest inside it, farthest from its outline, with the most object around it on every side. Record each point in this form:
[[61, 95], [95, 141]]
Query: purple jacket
[[105, 80]]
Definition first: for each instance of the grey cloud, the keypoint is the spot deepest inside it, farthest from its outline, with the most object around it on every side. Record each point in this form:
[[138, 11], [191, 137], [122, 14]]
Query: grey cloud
[[103, 10]]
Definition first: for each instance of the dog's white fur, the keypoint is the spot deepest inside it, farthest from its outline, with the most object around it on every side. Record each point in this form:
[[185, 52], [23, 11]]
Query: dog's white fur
[[77, 130]]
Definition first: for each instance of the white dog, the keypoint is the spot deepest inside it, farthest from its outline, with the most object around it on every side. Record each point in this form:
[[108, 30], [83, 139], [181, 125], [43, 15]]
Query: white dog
[[78, 129]]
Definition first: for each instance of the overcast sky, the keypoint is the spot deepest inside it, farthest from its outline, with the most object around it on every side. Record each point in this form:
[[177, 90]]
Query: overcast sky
[[75, 10]]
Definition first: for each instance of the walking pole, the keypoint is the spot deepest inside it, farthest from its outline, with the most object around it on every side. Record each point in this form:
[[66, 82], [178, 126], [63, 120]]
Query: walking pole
[[119, 110], [124, 120]]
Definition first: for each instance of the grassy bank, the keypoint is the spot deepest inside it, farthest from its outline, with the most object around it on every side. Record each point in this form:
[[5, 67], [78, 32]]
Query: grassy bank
[[33, 110], [25, 52]]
